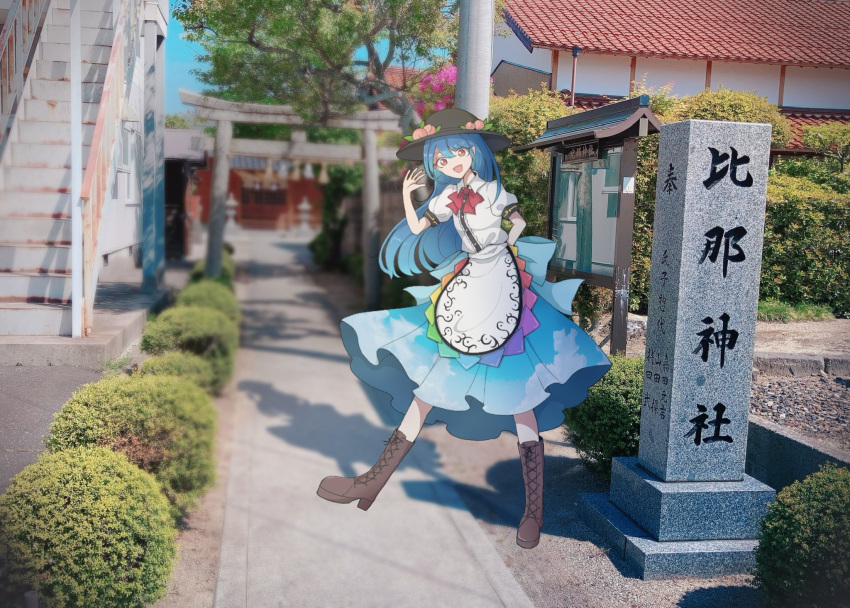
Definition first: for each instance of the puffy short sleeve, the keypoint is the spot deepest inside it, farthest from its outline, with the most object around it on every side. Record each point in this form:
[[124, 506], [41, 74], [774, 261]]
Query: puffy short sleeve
[[438, 209], [505, 204]]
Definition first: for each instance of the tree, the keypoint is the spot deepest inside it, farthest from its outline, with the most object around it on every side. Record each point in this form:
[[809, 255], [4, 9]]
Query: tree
[[831, 139], [176, 121], [322, 57]]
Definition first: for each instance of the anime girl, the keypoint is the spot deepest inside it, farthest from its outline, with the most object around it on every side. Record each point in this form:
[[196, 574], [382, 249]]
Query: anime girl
[[488, 349]]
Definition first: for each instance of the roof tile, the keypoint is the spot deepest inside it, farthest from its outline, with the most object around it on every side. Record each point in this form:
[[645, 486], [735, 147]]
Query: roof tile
[[791, 32]]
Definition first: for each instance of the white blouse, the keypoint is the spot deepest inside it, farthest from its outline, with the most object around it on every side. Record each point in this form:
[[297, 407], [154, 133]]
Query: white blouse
[[483, 227]]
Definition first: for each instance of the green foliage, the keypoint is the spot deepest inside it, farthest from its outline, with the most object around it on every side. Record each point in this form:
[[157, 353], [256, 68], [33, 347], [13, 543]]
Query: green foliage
[[163, 424], [176, 121], [589, 302], [813, 169], [803, 556], [186, 365], [832, 139], [327, 246], [774, 310], [661, 102], [805, 256], [210, 294], [115, 366], [202, 331], [85, 528], [607, 423], [736, 106], [353, 266], [228, 270], [522, 118], [310, 54], [645, 178]]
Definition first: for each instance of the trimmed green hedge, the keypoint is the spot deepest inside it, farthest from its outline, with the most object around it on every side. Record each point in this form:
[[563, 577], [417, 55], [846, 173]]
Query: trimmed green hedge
[[186, 365], [806, 255], [210, 294], [85, 528], [803, 556], [164, 424], [607, 423], [202, 331], [228, 270]]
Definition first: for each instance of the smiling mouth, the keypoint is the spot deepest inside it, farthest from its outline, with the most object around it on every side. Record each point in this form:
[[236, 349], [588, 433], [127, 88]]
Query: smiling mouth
[[459, 168]]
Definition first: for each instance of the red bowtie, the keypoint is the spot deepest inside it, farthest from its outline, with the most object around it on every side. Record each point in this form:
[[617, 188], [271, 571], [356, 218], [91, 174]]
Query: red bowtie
[[464, 200]]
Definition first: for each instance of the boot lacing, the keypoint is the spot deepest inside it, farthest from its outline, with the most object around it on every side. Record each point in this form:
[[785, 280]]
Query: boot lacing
[[532, 496], [393, 445]]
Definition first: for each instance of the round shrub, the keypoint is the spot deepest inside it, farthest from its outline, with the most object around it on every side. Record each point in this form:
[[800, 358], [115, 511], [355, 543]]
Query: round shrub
[[228, 271], [202, 331], [186, 365], [84, 528], [212, 295], [607, 423], [803, 557], [163, 424], [736, 106]]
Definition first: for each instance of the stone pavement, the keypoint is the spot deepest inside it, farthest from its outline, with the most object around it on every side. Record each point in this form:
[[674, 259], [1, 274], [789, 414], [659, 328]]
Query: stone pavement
[[302, 415]]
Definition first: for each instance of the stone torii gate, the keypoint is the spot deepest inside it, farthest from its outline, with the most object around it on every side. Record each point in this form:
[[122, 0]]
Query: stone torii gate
[[225, 113]]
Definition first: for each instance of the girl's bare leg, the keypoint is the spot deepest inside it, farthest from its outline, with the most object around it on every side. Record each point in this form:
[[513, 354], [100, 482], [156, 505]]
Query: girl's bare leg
[[413, 420], [526, 427]]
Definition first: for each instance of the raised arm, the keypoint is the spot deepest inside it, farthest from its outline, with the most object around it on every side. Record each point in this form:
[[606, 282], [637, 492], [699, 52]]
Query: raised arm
[[416, 224]]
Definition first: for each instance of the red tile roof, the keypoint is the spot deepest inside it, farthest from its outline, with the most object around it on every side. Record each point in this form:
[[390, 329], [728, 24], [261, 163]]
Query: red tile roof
[[791, 32], [807, 117], [400, 78]]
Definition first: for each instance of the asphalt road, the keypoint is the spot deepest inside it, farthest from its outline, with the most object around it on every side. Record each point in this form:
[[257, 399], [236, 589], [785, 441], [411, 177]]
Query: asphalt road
[[29, 396]]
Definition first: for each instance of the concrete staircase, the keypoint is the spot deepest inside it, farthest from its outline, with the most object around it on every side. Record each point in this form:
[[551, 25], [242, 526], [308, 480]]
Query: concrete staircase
[[35, 179]]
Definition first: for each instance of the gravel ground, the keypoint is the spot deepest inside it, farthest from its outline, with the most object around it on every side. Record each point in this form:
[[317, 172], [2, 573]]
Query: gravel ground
[[818, 406]]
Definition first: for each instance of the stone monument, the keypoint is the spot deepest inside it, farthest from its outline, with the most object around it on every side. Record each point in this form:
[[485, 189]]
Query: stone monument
[[683, 506]]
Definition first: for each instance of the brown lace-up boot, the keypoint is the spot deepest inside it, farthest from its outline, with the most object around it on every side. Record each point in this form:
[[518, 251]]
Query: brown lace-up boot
[[366, 486], [531, 457]]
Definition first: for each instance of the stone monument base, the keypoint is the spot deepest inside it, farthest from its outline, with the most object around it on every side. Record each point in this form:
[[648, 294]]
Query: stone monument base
[[666, 529], [652, 559]]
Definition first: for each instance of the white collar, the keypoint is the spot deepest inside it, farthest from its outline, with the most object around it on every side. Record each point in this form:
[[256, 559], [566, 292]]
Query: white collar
[[475, 183]]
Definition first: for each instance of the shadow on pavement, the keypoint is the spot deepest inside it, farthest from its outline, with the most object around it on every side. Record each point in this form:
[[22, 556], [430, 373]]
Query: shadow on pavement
[[261, 325], [740, 596], [348, 439]]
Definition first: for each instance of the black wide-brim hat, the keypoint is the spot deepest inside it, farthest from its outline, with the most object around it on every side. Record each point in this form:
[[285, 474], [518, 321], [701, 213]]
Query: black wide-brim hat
[[451, 122]]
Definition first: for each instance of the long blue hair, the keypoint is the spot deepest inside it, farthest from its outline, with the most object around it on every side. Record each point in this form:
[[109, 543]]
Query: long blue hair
[[406, 253]]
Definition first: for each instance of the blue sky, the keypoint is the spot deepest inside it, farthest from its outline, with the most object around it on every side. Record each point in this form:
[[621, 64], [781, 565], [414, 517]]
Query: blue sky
[[180, 59]]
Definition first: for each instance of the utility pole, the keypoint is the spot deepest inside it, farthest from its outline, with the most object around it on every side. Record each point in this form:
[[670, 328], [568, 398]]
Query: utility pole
[[474, 57]]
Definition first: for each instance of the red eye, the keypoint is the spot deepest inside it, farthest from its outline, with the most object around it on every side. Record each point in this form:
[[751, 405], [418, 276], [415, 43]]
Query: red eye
[[441, 162], [461, 152]]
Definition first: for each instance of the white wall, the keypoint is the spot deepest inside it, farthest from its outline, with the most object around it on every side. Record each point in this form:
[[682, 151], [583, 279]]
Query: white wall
[[686, 76], [509, 48], [760, 79], [817, 88], [121, 223], [609, 75], [595, 74]]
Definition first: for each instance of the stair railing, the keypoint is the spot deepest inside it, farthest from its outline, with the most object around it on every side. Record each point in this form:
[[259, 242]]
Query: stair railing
[[101, 167], [17, 46]]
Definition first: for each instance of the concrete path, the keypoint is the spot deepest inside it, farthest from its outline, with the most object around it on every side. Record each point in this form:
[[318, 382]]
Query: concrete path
[[302, 415]]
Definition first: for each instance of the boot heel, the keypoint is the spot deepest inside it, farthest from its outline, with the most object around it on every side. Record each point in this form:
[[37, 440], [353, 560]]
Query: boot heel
[[364, 504]]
